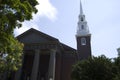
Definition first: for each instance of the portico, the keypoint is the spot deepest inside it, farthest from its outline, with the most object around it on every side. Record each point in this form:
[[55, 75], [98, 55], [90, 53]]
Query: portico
[[41, 63], [44, 58]]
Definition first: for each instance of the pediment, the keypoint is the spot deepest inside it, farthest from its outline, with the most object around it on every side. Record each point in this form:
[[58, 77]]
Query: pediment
[[35, 36]]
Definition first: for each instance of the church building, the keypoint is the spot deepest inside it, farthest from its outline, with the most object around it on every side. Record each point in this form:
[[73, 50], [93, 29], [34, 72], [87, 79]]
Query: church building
[[46, 58]]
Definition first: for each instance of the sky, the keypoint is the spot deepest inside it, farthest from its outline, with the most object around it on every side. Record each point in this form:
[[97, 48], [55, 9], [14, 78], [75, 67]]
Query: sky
[[59, 19]]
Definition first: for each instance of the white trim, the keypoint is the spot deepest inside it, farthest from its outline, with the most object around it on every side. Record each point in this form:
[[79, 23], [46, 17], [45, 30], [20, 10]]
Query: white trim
[[83, 41]]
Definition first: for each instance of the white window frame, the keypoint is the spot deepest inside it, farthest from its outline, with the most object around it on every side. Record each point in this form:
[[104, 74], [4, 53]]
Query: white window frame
[[83, 41]]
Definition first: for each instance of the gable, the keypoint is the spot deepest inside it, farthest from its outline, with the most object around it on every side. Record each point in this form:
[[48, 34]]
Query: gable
[[35, 36]]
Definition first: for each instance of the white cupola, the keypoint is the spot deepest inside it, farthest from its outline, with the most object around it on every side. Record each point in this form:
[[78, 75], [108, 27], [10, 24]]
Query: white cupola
[[82, 28]]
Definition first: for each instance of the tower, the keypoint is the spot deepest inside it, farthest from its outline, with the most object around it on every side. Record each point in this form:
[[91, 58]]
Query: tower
[[83, 37]]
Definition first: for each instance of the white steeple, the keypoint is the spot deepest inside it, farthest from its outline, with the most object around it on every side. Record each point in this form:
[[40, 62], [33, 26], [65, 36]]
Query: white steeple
[[81, 10], [82, 29]]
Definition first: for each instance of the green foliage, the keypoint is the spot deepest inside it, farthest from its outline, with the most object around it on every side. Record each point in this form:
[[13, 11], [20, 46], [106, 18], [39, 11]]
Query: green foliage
[[11, 59], [12, 14], [117, 64], [96, 68]]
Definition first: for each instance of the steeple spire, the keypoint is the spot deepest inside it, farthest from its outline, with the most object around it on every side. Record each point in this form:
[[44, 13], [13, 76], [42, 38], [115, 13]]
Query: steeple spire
[[81, 10], [82, 29]]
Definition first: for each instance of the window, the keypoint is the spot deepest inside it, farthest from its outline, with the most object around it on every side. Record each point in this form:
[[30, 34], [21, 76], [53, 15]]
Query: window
[[83, 41], [81, 18], [82, 26]]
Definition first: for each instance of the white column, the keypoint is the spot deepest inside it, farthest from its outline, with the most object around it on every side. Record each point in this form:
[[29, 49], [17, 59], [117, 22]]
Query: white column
[[35, 67], [51, 73]]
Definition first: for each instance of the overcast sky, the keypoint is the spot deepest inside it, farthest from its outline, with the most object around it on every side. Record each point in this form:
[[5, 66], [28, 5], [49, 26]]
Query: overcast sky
[[59, 18]]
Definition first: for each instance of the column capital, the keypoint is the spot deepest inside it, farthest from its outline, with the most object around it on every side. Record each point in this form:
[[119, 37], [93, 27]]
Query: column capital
[[36, 50], [53, 50]]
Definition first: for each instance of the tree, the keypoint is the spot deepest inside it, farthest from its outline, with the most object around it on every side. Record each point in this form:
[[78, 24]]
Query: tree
[[117, 64], [96, 68], [12, 14], [11, 60]]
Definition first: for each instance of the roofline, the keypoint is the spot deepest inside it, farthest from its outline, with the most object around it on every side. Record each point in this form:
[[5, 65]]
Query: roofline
[[39, 32], [68, 46]]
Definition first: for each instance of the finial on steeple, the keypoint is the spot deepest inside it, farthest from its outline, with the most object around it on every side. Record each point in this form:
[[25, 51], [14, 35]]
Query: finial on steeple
[[81, 10]]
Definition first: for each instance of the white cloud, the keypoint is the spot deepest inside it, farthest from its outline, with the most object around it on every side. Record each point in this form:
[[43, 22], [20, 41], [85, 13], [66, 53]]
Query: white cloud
[[25, 26], [45, 9]]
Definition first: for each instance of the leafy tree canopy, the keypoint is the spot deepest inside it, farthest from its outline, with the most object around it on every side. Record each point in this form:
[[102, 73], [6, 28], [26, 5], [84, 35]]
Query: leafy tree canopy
[[117, 64], [12, 14], [97, 68], [11, 60]]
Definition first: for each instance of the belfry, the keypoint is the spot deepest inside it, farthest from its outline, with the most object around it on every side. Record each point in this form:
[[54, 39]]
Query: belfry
[[46, 58]]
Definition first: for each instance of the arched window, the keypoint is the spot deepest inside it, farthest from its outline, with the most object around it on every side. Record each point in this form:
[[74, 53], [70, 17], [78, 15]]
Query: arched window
[[81, 18], [83, 41], [82, 26]]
